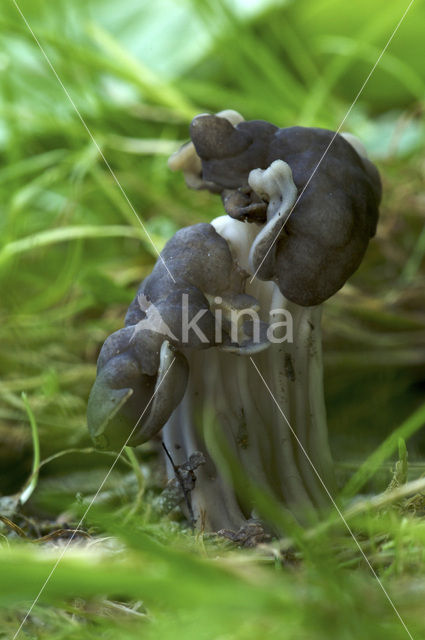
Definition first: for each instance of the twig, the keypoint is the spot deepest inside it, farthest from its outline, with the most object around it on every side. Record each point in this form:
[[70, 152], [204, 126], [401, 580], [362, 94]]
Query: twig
[[186, 492]]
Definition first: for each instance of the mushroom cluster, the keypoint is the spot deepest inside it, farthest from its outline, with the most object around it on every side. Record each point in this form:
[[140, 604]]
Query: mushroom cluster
[[301, 205]]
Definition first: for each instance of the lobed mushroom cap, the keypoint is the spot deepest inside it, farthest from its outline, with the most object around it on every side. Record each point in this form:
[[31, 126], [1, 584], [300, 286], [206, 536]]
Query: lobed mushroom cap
[[328, 232], [134, 394], [203, 267], [335, 214], [138, 385], [227, 152]]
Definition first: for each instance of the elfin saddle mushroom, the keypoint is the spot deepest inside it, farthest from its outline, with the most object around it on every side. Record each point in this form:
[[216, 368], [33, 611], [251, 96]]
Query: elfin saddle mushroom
[[301, 205]]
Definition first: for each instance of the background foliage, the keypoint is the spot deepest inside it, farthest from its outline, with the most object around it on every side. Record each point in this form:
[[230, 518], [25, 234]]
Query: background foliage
[[72, 253]]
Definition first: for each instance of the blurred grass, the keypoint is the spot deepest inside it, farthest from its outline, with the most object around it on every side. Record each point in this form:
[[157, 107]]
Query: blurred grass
[[72, 253]]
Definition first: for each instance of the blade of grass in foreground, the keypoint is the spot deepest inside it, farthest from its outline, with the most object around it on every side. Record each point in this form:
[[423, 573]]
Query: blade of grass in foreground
[[387, 448], [33, 479]]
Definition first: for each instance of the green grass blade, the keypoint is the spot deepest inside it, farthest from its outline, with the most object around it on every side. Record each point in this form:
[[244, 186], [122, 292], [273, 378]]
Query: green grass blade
[[30, 486], [410, 426]]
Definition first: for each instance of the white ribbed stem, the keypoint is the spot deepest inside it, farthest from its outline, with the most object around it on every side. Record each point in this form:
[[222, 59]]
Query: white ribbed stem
[[226, 393]]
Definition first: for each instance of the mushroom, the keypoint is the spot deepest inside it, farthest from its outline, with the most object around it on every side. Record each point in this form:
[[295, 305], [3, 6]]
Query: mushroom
[[336, 213], [142, 371], [302, 204]]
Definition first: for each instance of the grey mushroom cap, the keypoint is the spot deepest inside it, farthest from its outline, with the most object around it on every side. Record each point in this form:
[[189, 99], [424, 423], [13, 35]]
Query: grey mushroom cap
[[204, 270], [127, 406], [327, 233], [134, 393], [228, 153]]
